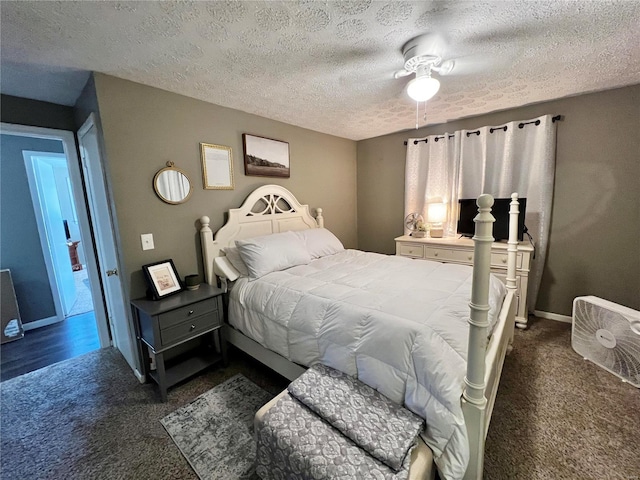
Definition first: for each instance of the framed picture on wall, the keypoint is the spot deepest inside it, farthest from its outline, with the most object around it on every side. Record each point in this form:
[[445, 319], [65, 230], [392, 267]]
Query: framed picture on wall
[[162, 278], [217, 167], [265, 157]]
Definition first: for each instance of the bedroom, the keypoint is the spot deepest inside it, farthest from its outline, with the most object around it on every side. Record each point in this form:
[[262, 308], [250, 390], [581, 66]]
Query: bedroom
[[597, 149]]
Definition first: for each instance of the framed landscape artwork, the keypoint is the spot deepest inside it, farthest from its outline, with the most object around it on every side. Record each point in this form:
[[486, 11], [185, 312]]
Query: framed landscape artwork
[[265, 157]]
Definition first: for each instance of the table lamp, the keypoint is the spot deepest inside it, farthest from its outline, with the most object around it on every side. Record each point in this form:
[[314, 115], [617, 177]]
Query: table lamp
[[436, 214]]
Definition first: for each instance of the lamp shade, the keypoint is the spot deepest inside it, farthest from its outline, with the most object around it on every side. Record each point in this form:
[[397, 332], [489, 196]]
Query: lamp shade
[[436, 212], [423, 88]]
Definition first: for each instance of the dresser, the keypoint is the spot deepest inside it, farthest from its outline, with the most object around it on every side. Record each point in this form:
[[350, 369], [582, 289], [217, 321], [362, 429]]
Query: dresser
[[460, 250], [180, 335]]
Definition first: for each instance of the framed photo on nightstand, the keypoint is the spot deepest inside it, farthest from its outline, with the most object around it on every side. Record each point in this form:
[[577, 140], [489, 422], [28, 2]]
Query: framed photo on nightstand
[[162, 278]]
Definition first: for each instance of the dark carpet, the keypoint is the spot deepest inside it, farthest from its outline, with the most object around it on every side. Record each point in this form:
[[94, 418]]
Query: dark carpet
[[556, 417]]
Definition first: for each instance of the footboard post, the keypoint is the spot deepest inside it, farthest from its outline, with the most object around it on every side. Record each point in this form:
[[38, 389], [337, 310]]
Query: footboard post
[[512, 250], [474, 401]]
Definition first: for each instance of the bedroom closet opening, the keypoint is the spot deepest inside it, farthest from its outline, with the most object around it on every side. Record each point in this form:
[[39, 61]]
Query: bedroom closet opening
[[47, 246]]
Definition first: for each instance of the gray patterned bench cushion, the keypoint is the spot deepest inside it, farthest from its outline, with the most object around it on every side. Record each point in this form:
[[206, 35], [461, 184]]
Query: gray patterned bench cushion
[[293, 443], [384, 429]]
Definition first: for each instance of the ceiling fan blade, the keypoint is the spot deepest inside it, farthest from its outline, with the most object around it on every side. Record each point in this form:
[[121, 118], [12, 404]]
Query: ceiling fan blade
[[477, 64], [445, 68], [401, 73]]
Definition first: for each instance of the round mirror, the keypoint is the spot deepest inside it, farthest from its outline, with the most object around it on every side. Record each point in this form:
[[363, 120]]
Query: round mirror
[[172, 185]]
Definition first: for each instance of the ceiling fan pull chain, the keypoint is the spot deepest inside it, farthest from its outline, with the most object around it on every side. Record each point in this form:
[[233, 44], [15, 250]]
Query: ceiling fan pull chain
[[417, 106]]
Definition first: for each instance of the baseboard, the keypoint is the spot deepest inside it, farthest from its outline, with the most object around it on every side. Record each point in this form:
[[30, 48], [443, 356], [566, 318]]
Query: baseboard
[[41, 323], [553, 316], [141, 378]]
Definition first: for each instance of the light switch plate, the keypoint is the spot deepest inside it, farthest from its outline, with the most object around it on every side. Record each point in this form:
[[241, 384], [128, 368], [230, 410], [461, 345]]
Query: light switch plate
[[147, 241]]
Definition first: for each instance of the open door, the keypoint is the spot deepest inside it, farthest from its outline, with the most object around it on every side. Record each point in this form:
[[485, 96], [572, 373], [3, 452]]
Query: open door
[[40, 167], [105, 241]]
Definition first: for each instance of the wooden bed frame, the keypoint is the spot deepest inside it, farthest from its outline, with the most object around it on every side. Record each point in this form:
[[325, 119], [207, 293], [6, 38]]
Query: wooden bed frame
[[272, 209]]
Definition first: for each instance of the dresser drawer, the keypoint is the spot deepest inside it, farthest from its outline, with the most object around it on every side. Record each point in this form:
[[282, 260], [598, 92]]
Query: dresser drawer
[[410, 250], [499, 259], [449, 255], [166, 320], [189, 328]]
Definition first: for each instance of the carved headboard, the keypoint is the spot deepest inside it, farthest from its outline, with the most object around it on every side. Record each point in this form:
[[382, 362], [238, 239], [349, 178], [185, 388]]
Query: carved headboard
[[268, 209]]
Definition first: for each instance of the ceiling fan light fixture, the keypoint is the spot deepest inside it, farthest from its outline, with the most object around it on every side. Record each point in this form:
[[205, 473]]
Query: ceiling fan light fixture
[[423, 88]]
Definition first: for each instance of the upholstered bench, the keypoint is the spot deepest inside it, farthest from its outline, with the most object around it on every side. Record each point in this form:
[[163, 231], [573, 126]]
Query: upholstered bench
[[321, 427]]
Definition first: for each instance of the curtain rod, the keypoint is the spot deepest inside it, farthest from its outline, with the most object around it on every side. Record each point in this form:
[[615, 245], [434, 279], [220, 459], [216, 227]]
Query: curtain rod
[[491, 130]]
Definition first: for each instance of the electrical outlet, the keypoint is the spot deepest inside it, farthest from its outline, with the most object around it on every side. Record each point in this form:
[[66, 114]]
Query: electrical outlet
[[147, 241]]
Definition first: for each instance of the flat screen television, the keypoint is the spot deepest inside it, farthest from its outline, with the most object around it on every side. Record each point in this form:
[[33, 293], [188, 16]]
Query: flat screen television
[[500, 210]]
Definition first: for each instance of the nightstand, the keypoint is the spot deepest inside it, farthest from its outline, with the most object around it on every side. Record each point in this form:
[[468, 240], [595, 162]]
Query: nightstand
[[180, 334]]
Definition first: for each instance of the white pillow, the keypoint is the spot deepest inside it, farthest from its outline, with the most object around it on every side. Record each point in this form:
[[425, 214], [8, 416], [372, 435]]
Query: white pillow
[[234, 257], [272, 253], [320, 242]]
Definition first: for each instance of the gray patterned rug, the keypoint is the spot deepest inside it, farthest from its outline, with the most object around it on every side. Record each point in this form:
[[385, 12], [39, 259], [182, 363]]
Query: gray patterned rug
[[215, 431]]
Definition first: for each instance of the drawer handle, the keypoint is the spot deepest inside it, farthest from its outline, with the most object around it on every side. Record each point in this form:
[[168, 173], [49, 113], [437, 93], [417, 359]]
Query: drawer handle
[[435, 254], [504, 260], [190, 312], [469, 257], [193, 327]]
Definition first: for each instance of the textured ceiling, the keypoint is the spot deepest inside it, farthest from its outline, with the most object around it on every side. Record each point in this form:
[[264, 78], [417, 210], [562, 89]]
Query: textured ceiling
[[323, 65]]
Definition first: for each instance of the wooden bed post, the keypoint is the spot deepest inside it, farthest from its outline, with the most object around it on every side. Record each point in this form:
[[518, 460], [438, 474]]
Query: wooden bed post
[[319, 218], [206, 235], [512, 250], [474, 401]]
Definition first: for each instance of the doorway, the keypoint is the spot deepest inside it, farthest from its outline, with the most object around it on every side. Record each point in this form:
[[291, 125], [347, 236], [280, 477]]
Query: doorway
[[78, 323], [59, 230]]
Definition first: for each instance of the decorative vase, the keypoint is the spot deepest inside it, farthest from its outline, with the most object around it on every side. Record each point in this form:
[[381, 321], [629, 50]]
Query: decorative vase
[[192, 282]]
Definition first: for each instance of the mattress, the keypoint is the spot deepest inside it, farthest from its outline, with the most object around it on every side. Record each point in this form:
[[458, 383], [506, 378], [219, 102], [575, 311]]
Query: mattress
[[397, 324]]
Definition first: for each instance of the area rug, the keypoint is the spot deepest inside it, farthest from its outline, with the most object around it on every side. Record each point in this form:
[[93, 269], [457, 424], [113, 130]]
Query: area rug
[[215, 431]]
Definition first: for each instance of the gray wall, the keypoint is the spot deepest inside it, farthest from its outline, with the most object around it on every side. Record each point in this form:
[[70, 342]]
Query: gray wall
[[145, 127], [595, 222], [24, 111], [20, 249]]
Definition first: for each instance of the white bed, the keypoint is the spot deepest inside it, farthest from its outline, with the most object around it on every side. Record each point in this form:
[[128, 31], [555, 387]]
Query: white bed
[[350, 311]]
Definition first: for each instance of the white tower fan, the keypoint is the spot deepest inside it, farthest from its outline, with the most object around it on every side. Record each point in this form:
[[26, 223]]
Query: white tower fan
[[608, 335]]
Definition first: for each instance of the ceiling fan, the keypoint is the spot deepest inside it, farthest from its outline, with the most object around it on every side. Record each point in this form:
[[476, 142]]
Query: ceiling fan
[[422, 56]]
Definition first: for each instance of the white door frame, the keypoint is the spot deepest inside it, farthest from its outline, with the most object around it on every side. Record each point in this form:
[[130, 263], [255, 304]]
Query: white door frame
[[69, 147]]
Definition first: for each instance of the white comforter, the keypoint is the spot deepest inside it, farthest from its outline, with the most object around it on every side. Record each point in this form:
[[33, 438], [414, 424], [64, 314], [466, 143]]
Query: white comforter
[[399, 324]]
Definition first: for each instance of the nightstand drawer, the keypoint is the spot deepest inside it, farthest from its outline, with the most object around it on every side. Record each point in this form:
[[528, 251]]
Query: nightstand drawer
[[410, 250], [189, 328], [500, 260], [183, 314]]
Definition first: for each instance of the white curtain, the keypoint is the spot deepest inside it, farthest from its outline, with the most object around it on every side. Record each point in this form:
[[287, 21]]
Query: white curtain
[[432, 171], [492, 160]]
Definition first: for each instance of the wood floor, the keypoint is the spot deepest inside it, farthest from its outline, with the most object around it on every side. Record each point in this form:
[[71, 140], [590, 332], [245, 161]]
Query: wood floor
[[44, 346]]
